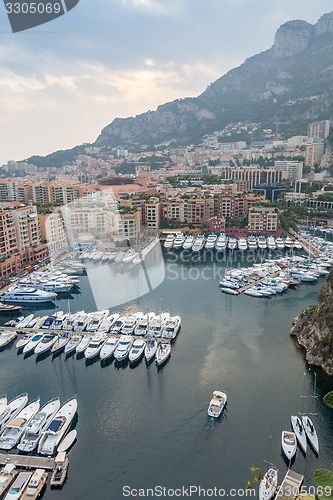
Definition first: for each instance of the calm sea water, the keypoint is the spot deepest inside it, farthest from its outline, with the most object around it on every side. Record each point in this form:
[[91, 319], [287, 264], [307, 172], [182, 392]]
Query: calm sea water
[[142, 427]]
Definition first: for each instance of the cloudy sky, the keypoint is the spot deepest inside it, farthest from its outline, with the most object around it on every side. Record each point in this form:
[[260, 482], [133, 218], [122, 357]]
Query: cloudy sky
[[61, 83]]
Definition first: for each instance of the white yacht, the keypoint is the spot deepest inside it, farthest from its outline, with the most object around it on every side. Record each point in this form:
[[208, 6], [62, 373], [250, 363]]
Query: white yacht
[[143, 324], [123, 347], [252, 242], [57, 428], [289, 444], [129, 256], [94, 346], [61, 342], [23, 323], [217, 403], [130, 323], [80, 322], [46, 343], [178, 241], [271, 243], [23, 341], [18, 486], [198, 243], [117, 325], [210, 242], [73, 343], [157, 324], [232, 243], [298, 429], [35, 485], [137, 350], [27, 295], [107, 323], [150, 349], [310, 432], [242, 244], [82, 346], [108, 348], [169, 241], [12, 409], [95, 319], [262, 242], [38, 425], [6, 337], [163, 353], [279, 243], [171, 328], [30, 346], [7, 476], [188, 243], [15, 427], [288, 242], [221, 243], [268, 484], [68, 323]]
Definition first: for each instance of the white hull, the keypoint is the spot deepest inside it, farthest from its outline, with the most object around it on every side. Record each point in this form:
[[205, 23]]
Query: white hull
[[94, 347], [72, 344], [289, 444], [30, 346], [57, 429], [298, 429], [137, 350], [108, 348], [163, 353], [310, 432], [268, 484], [12, 409], [37, 425], [46, 344], [123, 347], [6, 338], [217, 403], [15, 427], [150, 349]]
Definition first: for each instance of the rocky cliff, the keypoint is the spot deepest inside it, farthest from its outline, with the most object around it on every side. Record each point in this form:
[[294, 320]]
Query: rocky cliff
[[313, 329], [291, 83]]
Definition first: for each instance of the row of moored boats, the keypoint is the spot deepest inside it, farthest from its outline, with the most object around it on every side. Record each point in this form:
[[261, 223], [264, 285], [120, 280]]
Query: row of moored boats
[[222, 242]]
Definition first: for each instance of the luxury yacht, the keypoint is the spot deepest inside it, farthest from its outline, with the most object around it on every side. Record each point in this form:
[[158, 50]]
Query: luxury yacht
[[12, 409], [94, 346], [15, 427], [188, 243], [57, 428], [210, 242], [178, 241], [123, 347], [198, 243], [232, 243], [242, 244], [171, 328], [221, 243], [169, 241], [109, 347], [28, 295]]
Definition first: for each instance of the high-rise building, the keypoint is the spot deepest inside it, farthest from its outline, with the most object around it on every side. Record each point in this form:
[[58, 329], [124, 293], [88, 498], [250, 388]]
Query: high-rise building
[[319, 130]]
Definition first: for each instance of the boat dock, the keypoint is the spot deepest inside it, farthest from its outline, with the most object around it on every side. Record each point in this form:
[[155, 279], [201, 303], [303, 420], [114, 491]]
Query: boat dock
[[27, 461], [290, 485], [257, 281]]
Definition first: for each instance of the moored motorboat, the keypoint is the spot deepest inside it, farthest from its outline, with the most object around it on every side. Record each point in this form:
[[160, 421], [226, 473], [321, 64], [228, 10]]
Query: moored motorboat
[[73, 343], [157, 324], [16, 490], [35, 485], [23, 341], [137, 350], [289, 444], [163, 353], [30, 346], [94, 346], [169, 241], [229, 291], [38, 425], [123, 347], [150, 349], [310, 432], [171, 328], [67, 442], [7, 476], [82, 346], [57, 428], [15, 427], [6, 337], [298, 429], [60, 342], [268, 484], [46, 343], [109, 347], [12, 409], [217, 403], [59, 472], [143, 324]]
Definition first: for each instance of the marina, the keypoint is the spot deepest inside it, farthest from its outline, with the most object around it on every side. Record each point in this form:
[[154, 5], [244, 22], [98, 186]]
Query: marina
[[223, 343], [27, 462]]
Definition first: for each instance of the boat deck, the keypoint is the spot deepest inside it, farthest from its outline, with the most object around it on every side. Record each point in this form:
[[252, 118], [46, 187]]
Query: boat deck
[[290, 485], [27, 461]]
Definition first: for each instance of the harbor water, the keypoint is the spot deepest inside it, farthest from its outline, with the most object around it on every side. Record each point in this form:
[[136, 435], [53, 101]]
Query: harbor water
[[145, 427]]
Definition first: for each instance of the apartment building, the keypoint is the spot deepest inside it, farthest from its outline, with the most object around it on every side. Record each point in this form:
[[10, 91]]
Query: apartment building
[[8, 240], [173, 210], [263, 220], [293, 169], [151, 213], [27, 227], [53, 231], [253, 176], [319, 130], [313, 154], [123, 224]]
